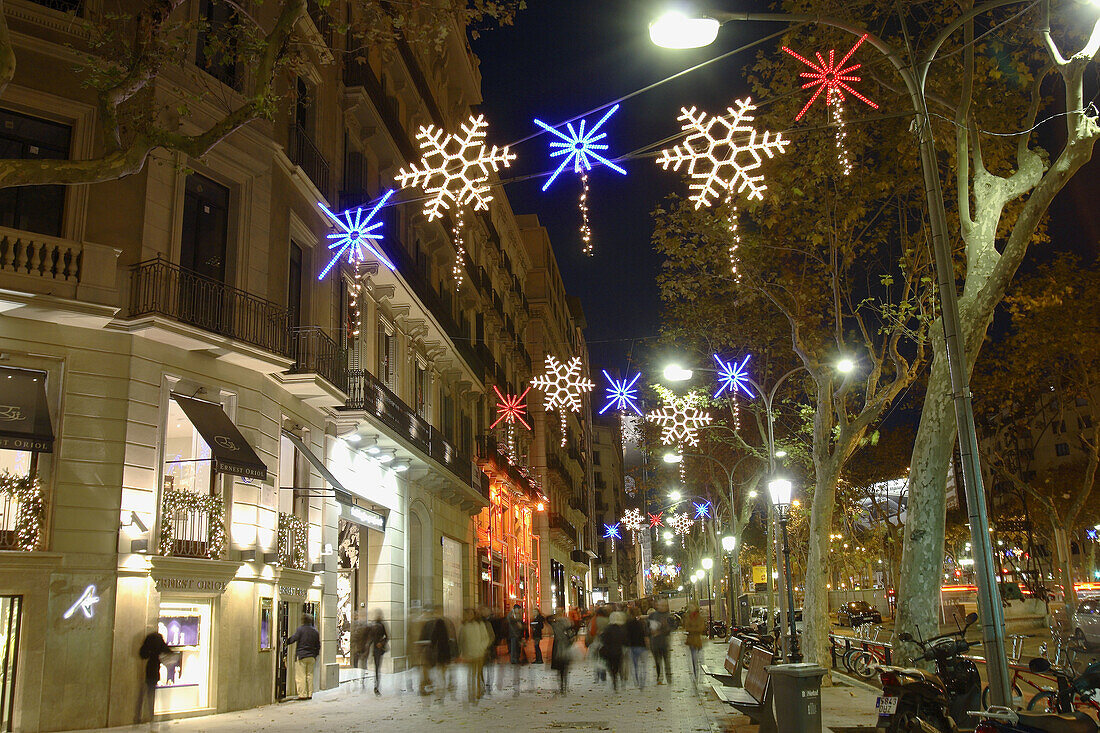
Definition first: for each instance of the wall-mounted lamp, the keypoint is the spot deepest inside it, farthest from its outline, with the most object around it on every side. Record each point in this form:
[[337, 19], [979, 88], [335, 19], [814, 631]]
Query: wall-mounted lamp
[[139, 546]]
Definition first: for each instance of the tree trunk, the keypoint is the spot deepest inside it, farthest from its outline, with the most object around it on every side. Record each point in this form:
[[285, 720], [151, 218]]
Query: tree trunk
[[815, 608], [921, 571], [1063, 552]]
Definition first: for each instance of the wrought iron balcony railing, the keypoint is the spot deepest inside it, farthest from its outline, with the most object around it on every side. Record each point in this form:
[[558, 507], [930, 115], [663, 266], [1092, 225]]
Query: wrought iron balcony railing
[[162, 288], [315, 352], [305, 154], [192, 525]]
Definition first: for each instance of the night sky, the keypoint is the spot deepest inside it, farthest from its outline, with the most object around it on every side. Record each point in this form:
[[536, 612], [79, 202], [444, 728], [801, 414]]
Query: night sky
[[565, 57]]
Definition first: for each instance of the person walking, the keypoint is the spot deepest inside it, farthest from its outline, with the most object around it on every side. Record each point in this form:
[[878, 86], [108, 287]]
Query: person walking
[[561, 650], [537, 624], [660, 626], [359, 647], [612, 641], [517, 635], [473, 641], [636, 633], [593, 638], [490, 650], [305, 655], [695, 626], [152, 647], [377, 644]]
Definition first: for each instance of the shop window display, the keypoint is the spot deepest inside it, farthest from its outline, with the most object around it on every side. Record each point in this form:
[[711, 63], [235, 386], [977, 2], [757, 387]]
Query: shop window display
[[265, 624], [185, 674], [186, 454]]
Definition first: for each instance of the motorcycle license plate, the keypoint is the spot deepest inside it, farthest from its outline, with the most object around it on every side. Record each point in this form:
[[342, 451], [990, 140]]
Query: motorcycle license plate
[[886, 705]]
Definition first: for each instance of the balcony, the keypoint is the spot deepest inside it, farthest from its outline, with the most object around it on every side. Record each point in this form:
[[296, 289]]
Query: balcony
[[555, 464], [367, 394], [562, 528], [360, 76], [321, 21], [490, 454], [180, 307], [320, 369], [22, 513], [58, 280], [292, 542], [305, 154], [579, 504], [62, 6], [192, 525]]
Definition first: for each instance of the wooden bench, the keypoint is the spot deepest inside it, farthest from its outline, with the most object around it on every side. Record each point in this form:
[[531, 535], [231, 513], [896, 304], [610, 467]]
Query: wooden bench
[[755, 698], [730, 675]]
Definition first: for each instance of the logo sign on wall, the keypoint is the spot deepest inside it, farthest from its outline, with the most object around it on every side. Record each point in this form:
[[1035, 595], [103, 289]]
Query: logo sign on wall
[[84, 604]]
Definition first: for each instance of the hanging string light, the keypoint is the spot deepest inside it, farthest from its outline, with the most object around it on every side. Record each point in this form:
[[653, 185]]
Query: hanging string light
[[633, 521], [735, 238], [836, 112], [586, 231], [460, 250]]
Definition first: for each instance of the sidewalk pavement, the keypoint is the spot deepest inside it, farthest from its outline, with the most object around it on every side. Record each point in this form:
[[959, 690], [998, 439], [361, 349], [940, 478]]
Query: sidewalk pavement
[[533, 707]]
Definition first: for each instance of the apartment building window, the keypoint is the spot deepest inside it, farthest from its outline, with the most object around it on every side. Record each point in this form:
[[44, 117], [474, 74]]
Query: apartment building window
[[36, 209], [214, 51], [595, 458], [1080, 401], [1084, 421], [294, 287], [420, 382], [387, 356], [205, 233], [1062, 449], [447, 416]]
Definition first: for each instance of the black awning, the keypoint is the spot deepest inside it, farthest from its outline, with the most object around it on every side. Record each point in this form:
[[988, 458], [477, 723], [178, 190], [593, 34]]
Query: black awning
[[24, 413], [317, 462], [230, 451]]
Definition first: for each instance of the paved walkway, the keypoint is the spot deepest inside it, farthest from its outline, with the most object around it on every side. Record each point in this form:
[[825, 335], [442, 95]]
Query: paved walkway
[[588, 706]]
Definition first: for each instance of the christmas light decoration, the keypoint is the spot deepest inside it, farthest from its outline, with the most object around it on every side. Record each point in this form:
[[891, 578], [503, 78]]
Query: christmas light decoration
[[621, 394], [511, 408], [630, 486], [612, 532], [454, 171], [722, 152], [702, 511], [579, 147], [655, 520], [292, 541], [187, 502], [680, 420], [681, 524], [732, 377], [839, 135], [355, 233], [562, 385], [24, 496], [632, 520], [831, 77]]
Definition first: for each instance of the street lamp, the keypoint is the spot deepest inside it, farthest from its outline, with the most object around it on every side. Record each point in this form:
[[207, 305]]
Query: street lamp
[[708, 563], [676, 30], [671, 457], [780, 490], [729, 544], [674, 495], [914, 75], [845, 366]]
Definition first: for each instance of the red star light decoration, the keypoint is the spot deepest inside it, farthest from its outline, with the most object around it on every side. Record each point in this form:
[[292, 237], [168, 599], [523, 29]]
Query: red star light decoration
[[655, 520], [831, 77], [511, 408]]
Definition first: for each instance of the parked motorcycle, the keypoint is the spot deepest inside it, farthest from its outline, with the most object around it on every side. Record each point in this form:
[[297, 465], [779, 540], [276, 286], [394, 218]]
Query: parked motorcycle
[[1071, 693], [916, 700], [1005, 720], [717, 627]]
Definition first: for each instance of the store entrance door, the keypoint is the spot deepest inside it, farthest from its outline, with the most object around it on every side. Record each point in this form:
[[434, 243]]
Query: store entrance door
[[281, 661], [11, 614]]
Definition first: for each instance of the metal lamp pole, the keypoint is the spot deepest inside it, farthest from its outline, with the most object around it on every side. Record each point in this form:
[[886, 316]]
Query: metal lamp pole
[[780, 491], [707, 565], [729, 543], [914, 77]]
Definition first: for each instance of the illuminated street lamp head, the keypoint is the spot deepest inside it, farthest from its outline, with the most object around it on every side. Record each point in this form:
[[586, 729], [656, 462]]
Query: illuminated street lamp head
[[845, 366], [781, 453], [673, 457], [674, 495], [678, 31], [708, 563], [780, 491], [676, 373], [729, 543], [752, 494], [667, 535]]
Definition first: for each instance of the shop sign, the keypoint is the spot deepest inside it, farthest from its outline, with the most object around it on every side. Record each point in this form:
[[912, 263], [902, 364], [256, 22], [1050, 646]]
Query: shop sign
[[217, 586], [85, 604], [289, 590], [362, 516]]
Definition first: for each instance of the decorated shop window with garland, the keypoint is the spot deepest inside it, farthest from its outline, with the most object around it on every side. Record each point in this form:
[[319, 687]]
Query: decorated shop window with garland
[[22, 512]]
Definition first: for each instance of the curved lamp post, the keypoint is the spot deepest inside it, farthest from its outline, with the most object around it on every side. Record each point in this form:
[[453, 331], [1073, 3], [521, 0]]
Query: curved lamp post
[[729, 544], [780, 491]]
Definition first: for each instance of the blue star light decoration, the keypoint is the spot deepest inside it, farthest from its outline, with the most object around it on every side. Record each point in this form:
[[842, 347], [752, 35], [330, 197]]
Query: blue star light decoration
[[612, 532], [702, 511], [579, 147], [355, 233], [621, 394], [732, 377]]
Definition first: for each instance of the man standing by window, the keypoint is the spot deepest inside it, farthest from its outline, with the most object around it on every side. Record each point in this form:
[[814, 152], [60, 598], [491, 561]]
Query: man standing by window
[[309, 646]]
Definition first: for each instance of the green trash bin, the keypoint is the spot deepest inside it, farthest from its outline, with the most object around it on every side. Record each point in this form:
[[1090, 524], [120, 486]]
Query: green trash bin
[[796, 694]]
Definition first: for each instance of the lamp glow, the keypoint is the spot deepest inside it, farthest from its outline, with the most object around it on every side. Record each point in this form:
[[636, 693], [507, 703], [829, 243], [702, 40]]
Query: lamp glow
[[674, 495], [673, 457], [780, 491], [729, 543], [676, 373], [845, 366], [708, 563], [678, 31]]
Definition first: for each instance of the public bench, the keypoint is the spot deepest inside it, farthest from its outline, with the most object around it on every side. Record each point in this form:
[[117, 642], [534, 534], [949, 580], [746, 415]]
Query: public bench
[[730, 674], [755, 698]]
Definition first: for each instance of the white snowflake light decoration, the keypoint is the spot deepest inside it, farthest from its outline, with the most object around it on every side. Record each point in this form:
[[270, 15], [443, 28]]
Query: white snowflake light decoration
[[631, 486], [722, 152], [680, 421], [562, 385], [454, 171], [681, 525], [632, 520]]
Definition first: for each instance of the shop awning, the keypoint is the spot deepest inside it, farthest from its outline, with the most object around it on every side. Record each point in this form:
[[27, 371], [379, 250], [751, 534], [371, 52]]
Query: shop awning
[[229, 450], [24, 413], [317, 463]]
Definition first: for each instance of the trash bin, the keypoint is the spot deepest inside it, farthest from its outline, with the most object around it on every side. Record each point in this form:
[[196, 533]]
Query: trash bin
[[796, 692]]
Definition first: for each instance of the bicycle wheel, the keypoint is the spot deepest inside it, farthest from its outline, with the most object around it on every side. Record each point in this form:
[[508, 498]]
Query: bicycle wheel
[[861, 663], [1044, 702], [1017, 698]]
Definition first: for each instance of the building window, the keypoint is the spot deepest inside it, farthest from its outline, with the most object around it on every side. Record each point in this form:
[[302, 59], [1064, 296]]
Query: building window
[[1084, 421], [215, 52], [1080, 401], [420, 382], [294, 287], [595, 458], [205, 235], [387, 356], [1062, 449], [187, 464], [36, 209]]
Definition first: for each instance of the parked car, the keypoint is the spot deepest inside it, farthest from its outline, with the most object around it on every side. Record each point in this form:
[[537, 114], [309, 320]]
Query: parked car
[[857, 613], [1084, 625], [797, 620]]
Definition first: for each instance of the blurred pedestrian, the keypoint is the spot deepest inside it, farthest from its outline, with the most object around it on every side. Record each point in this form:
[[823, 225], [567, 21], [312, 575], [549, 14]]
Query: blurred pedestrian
[[695, 626], [378, 643], [636, 634], [612, 641], [490, 649], [473, 641], [561, 652], [152, 648], [593, 638], [537, 624], [660, 626], [359, 649], [517, 636], [305, 655]]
